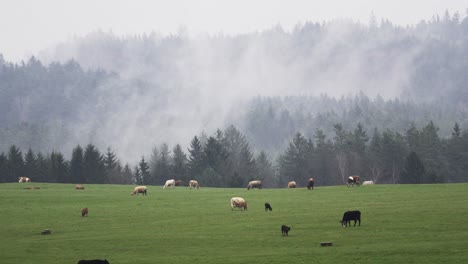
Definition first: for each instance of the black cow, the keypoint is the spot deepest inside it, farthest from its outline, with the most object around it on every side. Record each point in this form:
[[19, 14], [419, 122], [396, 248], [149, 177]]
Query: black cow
[[351, 215], [285, 230], [268, 207], [93, 261]]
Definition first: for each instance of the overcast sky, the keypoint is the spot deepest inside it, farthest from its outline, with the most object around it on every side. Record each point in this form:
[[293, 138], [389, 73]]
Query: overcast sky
[[27, 26]]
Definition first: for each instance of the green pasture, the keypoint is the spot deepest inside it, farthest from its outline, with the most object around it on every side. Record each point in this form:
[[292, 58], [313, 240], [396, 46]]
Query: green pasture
[[400, 224]]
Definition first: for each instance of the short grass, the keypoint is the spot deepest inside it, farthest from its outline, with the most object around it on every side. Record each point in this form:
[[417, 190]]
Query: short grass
[[400, 224]]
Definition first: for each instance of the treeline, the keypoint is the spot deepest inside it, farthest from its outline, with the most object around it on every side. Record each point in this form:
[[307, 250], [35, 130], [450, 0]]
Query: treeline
[[225, 159]]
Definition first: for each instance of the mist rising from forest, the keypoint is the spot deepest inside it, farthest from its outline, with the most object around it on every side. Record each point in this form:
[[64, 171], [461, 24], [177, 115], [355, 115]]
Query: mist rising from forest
[[171, 88]]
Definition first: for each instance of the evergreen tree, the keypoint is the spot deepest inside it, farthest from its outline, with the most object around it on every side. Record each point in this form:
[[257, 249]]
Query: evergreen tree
[[127, 175], [414, 171], [93, 165], [42, 168], [179, 164], [196, 159], [144, 171], [324, 165], [3, 167], [239, 165], [30, 165], [161, 169], [15, 164], [266, 171], [57, 168], [112, 165], [215, 157], [295, 163], [77, 172]]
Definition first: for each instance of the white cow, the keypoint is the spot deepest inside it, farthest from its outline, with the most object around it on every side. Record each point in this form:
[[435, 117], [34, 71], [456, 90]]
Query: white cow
[[169, 183], [368, 183], [238, 202], [292, 184]]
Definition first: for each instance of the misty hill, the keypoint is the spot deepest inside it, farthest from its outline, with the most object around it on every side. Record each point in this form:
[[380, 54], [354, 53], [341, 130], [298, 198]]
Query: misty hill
[[134, 92]]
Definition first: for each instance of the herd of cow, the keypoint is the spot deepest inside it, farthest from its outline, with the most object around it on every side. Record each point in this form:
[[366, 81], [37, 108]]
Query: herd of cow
[[236, 202]]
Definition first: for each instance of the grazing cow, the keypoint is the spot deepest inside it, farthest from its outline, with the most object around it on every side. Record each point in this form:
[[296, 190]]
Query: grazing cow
[[351, 215], [310, 184], [367, 182], [193, 184], [24, 179], [285, 230], [139, 189], [79, 187], [179, 183], [93, 261], [268, 207], [292, 184], [254, 184], [84, 212], [169, 183], [353, 180], [238, 202]]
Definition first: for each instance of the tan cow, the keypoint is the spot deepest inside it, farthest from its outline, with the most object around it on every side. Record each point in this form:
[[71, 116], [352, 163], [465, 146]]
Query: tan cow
[[238, 202], [79, 187], [194, 184], [254, 184], [139, 189], [292, 184], [24, 179]]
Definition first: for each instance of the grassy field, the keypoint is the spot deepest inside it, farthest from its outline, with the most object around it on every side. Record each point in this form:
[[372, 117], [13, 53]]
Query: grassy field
[[400, 224]]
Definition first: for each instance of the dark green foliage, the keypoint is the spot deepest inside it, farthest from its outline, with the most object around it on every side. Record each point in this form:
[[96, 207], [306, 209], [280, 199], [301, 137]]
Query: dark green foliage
[[414, 171], [93, 165], [179, 165], [144, 172], [77, 173]]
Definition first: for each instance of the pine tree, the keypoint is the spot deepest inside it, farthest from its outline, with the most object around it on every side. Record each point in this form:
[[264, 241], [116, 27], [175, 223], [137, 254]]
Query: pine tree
[[196, 159], [144, 171], [414, 171], [15, 164], [179, 164], [57, 168], [266, 171], [77, 172], [3, 167], [93, 165], [30, 165]]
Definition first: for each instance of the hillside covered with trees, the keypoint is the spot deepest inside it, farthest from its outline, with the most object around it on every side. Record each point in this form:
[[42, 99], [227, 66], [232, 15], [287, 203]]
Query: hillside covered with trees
[[325, 100]]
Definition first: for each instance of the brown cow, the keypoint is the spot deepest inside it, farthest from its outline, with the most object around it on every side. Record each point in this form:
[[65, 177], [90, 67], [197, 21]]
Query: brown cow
[[84, 212], [310, 184], [24, 179], [353, 180]]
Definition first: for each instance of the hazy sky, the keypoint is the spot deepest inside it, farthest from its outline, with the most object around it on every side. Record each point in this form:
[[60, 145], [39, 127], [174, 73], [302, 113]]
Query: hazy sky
[[27, 26]]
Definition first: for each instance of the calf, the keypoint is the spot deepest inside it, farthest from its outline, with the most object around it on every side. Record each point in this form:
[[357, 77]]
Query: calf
[[84, 212], [268, 207], [292, 184], [310, 184], [351, 215], [285, 230], [93, 261]]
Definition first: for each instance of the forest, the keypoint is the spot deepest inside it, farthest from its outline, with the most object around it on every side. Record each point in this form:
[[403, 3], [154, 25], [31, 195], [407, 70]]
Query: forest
[[325, 100]]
